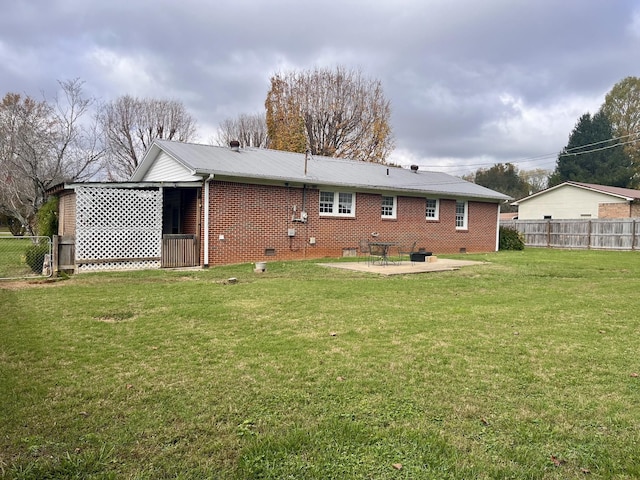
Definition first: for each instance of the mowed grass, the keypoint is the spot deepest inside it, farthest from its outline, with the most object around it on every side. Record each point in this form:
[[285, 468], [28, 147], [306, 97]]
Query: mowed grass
[[524, 367], [13, 252]]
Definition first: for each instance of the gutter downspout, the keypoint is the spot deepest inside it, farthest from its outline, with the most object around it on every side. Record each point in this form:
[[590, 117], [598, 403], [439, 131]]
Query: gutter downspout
[[206, 220], [498, 230]]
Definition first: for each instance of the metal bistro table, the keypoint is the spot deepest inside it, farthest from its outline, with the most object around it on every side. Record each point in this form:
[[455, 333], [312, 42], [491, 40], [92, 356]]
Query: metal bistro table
[[379, 252]]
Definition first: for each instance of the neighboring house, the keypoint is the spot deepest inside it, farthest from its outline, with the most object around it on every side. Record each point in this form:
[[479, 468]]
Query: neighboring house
[[575, 200], [214, 205], [504, 217]]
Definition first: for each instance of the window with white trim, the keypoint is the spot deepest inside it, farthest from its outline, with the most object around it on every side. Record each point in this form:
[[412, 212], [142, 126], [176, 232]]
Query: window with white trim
[[337, 204], [432, 211], [461, 214], [388, 207]]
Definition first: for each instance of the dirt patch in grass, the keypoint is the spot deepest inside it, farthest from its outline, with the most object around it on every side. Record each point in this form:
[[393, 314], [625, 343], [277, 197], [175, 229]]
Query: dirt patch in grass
[[116, 317], [22, 284]]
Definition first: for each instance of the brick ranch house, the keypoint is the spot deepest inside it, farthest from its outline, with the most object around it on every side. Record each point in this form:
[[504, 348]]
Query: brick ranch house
[[202, 205]]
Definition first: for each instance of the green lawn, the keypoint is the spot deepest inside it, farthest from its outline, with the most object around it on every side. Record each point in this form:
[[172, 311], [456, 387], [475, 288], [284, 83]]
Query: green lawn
[[17, 254], [525, 367]]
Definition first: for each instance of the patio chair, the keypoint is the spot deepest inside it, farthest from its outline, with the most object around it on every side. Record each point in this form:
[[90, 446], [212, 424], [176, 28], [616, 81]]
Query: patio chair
[[363, 249], [405, 250], [377, 254]]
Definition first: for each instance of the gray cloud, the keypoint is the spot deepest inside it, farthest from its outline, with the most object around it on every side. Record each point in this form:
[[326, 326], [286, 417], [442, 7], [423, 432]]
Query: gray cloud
[[471, 83]]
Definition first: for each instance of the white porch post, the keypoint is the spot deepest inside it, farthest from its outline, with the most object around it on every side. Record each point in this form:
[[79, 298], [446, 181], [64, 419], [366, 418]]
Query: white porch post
[[206, 220], [498, 230]]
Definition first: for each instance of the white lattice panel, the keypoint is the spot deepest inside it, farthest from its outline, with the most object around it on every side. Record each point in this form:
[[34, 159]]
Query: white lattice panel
[[119, 224], [95, 267]]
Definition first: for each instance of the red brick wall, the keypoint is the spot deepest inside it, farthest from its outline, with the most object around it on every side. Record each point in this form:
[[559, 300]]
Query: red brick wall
[[254, 220], [189, 211], [614, 210]]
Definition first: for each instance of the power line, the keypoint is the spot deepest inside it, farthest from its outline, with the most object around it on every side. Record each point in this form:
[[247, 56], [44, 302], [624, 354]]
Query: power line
[[596, 149], [605, 141], [548, 156]]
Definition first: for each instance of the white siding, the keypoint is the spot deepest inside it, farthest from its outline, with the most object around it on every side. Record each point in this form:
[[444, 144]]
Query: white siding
[[566, 202], [166, 169]]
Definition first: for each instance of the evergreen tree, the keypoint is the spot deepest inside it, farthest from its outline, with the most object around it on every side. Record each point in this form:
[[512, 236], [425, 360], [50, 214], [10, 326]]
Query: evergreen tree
[[593, 156]]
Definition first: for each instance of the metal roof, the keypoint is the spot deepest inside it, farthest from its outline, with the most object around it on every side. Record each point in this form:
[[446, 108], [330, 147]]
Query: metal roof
[[628, 193], [266, 165]]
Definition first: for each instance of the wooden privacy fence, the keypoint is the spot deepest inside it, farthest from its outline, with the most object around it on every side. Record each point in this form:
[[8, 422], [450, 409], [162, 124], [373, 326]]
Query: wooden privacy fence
[[64, 253], [606, 234], [180, 250]]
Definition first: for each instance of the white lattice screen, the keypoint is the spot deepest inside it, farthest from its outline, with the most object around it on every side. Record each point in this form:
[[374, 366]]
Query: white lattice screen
[[118, 228]]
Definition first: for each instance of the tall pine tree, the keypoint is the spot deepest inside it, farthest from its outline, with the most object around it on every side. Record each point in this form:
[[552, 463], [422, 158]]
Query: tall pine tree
[[593, 155]]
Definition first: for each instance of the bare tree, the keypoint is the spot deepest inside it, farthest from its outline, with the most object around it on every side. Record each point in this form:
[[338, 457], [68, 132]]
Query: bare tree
[[129, 126], [78, 149], [248, 129], [41, 144], [339, 112], [537, 179]]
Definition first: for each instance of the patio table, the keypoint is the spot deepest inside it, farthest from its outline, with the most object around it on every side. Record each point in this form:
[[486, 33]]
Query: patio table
[[380, 251]]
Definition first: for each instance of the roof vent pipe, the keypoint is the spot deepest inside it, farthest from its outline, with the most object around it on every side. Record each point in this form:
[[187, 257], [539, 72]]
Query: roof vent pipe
[[235, 145], [414, 168]]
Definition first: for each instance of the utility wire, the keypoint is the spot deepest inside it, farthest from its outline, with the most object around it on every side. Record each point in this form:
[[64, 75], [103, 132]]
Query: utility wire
[[596, 149], [549, 156], [605, 141]]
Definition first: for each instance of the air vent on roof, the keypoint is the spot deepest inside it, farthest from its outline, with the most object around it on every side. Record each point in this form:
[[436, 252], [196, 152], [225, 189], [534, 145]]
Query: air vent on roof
[[414, 168], [235, 145]]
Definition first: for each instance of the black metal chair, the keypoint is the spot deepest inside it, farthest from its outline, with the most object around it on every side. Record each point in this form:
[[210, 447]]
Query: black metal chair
[[406, 250], [377, 254], [363, 249]]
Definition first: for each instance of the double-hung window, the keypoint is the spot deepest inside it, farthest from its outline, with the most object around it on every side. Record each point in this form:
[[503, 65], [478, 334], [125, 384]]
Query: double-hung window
[[388, 207], [461, 214], [433, 209], [337, 204]]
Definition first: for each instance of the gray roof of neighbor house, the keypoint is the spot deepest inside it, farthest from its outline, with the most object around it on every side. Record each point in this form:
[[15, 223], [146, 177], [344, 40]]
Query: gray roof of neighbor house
[[258, 164], [626, 193]]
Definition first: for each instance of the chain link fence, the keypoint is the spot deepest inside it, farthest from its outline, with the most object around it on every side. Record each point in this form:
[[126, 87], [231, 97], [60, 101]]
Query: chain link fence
[[25, 257]]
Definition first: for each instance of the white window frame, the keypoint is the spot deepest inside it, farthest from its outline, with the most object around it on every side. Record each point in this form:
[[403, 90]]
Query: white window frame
[[436, 215], [462, 221], [393, 206], [335, 204]]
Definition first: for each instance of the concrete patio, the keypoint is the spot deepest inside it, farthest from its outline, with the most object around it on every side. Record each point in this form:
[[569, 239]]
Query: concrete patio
[[404, 268]]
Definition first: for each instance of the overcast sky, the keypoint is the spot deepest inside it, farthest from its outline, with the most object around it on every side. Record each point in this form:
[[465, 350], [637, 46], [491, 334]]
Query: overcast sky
[[471, 83]]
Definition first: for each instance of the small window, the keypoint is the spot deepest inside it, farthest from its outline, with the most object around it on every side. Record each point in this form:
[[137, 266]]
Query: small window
[[388, 207], [326, 202], [461, 215], [432, 210], [345, 203], [337, 204]]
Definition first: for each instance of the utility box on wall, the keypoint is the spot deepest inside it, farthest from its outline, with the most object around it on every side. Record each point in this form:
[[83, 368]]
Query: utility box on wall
[[291, 232]]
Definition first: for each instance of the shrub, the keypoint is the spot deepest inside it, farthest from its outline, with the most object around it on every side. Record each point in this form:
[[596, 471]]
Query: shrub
[[510, 239], [47, 218], [34, 256]]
